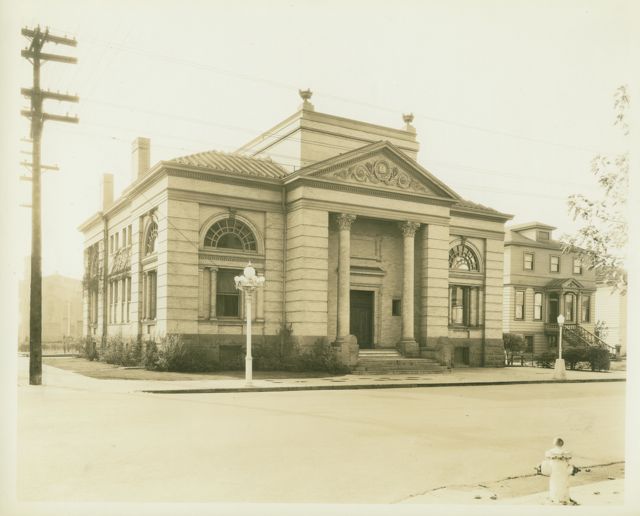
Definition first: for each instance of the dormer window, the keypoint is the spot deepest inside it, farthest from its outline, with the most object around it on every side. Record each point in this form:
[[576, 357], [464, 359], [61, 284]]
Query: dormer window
[[543, 235]]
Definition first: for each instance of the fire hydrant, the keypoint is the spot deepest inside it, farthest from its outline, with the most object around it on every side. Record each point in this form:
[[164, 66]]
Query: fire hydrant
[[557, 466]]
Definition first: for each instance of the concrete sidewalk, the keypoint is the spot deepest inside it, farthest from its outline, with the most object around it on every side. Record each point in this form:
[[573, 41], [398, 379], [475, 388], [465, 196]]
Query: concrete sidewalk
[[53, 376], [607, 492]]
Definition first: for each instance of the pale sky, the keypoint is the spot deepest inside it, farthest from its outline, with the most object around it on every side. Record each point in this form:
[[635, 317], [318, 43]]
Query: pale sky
[[512, 99]]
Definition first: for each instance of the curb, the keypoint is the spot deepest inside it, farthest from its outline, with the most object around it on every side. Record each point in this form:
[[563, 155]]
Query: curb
[[221, 390]]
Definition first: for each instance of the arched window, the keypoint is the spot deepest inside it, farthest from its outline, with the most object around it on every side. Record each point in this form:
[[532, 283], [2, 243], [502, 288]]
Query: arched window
[[150, 239], [463, 258], [230, 234]]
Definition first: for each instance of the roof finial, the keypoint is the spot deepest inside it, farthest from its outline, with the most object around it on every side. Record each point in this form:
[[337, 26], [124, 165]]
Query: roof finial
[[305, 95], [408, 118]]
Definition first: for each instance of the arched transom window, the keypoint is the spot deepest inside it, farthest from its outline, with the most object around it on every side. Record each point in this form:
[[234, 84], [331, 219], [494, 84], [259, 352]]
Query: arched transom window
[[463, 258], [150, 239], [230, 234]]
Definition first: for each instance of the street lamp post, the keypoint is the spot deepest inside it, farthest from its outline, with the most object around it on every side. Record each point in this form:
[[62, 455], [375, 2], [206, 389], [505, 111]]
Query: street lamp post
[[248, 282], [560, 372]]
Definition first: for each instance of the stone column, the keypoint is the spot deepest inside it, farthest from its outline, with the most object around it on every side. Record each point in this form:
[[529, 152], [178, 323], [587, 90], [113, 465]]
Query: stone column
[[213, 289], [408, 344], [344, 273]]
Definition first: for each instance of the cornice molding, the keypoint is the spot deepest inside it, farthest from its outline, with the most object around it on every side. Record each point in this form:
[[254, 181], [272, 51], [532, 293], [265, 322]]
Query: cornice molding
[[211, 199], [367, 211], [370, 190], [475, 233]]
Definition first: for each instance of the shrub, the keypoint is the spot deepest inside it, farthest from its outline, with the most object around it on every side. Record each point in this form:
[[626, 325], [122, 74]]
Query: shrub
[[546, 359], [573, 356], [86, 348], [173, 354], [598, 359], [513, 345]]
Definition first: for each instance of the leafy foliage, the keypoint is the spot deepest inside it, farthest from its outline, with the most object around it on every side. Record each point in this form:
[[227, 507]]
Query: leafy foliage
[[601, 330], [513, 344], [573, 356], [546, 359], [601, 241], [598, 359]]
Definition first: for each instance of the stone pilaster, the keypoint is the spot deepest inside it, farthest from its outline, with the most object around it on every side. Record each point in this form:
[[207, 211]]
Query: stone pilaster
[[408, 345], [213, 289], [434, 325]]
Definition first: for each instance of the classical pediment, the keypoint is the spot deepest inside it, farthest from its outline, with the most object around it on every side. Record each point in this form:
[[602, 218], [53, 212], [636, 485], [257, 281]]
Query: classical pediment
[[380, 166], [565, 283]]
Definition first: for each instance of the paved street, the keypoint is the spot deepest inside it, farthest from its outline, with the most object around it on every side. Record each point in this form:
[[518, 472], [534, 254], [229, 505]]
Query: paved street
[[362, 446]]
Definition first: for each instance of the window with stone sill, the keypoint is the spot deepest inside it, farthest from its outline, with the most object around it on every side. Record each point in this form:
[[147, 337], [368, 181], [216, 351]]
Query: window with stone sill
[[464, 306], [227, 295]]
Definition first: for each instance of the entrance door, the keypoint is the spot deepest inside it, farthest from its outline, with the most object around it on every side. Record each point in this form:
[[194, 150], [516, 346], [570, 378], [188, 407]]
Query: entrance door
[[361, 324], [554, 308]]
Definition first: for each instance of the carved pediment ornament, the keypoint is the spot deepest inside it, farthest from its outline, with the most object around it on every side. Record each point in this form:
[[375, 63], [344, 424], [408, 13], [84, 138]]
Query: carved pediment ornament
[[381, 173]]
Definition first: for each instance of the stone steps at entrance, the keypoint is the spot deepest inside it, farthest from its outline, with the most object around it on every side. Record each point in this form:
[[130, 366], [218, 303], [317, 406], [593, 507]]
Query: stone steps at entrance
[[389, 361]]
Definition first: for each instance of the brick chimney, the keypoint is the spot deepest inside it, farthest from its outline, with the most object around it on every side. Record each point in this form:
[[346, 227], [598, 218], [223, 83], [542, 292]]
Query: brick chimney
[[140, 157], [106, 192]]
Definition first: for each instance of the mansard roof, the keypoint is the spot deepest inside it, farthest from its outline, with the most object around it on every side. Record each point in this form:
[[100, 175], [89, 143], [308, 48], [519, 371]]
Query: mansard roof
[[515, 238], [232, 163]]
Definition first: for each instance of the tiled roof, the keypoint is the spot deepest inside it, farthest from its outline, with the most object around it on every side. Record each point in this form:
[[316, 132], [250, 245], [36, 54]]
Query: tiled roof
[[233, 164], [463, 203]]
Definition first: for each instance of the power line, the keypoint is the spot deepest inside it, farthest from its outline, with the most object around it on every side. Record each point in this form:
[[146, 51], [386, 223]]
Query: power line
[[252, 78]]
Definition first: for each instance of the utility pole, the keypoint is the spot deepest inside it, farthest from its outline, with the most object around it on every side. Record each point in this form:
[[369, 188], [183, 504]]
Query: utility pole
[[37, 116]]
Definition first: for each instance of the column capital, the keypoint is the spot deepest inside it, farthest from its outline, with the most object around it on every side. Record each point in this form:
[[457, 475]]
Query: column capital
[[408, 228], [344, 220]]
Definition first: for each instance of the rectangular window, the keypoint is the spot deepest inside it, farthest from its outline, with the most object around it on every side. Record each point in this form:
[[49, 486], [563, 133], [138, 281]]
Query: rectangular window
[[227, 295], [128, 298], [129, 235], [528, 261], [115, 301], [537, 306], [116, 243], [586, 309], [554, 264], [577, 266], [463, 306], [519, 304], [153, 290], [111, 244], [568, 307], [543, 235], [396, 307]]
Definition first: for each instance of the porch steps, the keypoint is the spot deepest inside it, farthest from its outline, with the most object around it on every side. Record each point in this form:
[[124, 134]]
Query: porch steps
[[390, 361]]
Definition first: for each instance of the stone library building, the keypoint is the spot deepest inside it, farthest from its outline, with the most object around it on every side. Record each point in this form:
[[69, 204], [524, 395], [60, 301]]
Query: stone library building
[[359, 244]]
